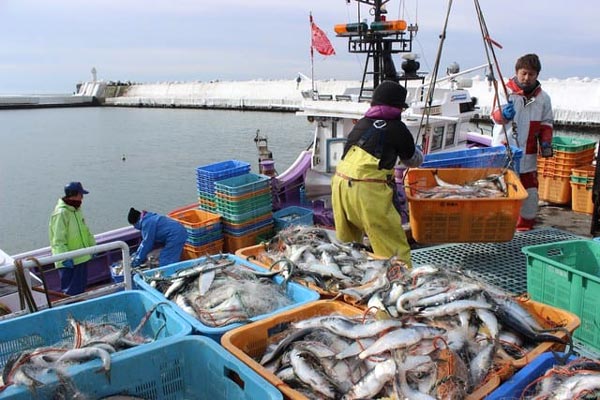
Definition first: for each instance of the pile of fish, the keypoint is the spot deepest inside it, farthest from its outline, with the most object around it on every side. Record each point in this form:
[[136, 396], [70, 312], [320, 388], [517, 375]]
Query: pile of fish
[[86, 341], [492, 186], [427, 333], [312, 257], [218, 291], [579, 379]]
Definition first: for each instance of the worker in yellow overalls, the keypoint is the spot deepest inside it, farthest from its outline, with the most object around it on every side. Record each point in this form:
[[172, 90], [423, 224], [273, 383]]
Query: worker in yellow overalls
[[364, 197]]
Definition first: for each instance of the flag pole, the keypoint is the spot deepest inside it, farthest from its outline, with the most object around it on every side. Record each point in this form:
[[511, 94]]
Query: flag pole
[[312, 56]]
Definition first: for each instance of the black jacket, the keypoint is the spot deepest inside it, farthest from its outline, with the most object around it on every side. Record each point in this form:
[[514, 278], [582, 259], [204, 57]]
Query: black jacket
[[397, 141]]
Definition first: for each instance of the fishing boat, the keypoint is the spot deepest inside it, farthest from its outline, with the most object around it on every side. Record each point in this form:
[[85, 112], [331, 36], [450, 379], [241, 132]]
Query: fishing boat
[[439, 115], [439, 120]]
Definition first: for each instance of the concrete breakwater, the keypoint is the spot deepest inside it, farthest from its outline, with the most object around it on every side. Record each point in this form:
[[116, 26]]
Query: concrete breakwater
[[576, 102]]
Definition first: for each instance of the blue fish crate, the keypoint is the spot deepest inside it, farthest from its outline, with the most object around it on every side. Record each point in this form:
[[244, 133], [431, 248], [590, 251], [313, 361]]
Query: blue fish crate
[[207, 175], [223, 169], [492, 157], [242, 184], [51, 327], [182, 368], [514, 388], [299, 294], [292, 216]]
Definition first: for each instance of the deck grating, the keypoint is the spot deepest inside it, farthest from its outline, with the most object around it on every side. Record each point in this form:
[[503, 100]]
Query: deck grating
[[500, 264]]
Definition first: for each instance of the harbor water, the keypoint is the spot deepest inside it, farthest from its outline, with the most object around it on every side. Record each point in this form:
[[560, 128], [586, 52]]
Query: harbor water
[[125, 157]]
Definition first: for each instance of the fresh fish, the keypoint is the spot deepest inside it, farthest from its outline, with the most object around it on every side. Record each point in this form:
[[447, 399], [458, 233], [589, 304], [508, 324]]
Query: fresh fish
[[311, 376], [356, 330], [453, 308], [355, 348], [284, 344], [372, 382], [205, 281], [399, 338]]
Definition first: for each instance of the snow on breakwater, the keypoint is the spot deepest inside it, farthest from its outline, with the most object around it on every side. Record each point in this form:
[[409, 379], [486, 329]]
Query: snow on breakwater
[[575, 100]]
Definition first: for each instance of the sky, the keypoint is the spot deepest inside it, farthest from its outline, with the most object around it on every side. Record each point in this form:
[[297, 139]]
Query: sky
[[48, 46]]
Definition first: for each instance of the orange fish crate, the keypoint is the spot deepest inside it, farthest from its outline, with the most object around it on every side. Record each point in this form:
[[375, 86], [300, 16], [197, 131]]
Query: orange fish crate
[[192, 252], [581, 197], [248, 343], [462, 220], [258, 255], [233, 242], [554, 189]]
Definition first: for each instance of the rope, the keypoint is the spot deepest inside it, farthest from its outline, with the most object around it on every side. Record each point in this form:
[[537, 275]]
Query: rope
[[434, 74], [489, 43]]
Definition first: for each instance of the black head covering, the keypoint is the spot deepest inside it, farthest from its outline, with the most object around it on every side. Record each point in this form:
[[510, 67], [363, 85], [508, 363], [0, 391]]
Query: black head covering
[[134, 216], [389, 93]]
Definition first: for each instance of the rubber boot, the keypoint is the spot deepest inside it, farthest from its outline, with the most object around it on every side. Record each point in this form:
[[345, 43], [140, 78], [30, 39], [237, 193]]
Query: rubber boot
[[525, 224]]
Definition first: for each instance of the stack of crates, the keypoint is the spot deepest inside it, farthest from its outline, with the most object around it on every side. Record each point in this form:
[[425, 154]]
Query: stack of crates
[[554, 173], [245, 203], [204, 232], [207, 175], [582, 183]]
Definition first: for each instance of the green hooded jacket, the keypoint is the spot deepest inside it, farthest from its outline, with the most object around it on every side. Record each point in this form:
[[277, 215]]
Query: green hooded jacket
[[68, 231]]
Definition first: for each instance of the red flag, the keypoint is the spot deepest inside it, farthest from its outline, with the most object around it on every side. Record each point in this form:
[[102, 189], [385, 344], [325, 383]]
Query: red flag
[[319, 41]]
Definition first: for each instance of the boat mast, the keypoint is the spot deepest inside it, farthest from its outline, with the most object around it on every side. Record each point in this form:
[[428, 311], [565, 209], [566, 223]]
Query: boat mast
[[379, 41]]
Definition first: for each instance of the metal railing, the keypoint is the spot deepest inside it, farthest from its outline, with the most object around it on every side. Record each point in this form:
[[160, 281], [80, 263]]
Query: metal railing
[[30, 263]]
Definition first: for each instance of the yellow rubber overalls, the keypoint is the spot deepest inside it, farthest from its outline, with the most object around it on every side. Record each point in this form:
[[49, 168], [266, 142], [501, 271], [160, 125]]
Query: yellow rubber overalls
[[361, 196]]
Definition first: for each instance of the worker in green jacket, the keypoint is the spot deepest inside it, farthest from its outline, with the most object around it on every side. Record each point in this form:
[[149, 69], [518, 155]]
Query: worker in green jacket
[[68, 232]]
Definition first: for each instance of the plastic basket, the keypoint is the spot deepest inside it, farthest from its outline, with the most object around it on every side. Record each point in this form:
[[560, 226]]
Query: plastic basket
[[223, 169], [243, 206], [250, 228], [206, 238], [240, 218], [554, 189], [207, 175], [249, 341], [581, 198], [51, 326], [243, 196], [567, 275], [254, 223], [462, 220], [191, 252], [234, 242], [513, 388], [196, 220], [292, 216], [191, 367], [297, 293], [257, 254], [572, 144], [243, 184], [584, 174], [486, 157]]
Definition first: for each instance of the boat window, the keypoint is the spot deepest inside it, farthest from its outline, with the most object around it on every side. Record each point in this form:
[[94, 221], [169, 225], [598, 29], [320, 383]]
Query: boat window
[[436, 138], [450, 135]]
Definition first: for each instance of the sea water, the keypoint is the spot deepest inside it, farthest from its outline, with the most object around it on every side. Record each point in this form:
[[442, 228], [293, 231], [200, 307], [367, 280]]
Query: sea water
[[125, 157]]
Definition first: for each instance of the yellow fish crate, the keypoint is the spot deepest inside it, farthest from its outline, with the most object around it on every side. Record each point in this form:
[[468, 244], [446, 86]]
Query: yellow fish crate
[[462, 220]]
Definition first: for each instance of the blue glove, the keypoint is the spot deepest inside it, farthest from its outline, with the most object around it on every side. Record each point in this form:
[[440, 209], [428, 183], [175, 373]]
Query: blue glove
[[508, 111], [547, 150], [68, 263]]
